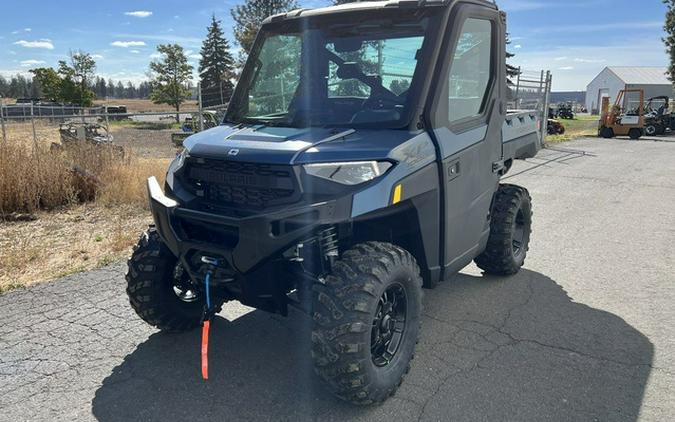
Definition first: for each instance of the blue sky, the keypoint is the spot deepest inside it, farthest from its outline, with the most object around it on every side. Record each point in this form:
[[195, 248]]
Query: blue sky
[[575, 39]]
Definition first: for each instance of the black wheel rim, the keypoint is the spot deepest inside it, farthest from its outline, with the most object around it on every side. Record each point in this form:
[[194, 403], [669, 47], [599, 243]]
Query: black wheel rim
[[518, 239], [388, 325]]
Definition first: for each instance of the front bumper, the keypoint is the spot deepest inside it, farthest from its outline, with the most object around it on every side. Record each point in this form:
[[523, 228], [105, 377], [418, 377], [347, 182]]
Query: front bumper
[[250, 240]]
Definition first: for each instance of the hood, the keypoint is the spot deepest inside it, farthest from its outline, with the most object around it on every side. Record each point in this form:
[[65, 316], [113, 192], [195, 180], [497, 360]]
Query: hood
[[280, 145]]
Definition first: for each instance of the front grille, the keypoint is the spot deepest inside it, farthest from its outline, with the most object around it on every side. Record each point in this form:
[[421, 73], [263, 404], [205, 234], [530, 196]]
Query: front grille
[[247, 185]]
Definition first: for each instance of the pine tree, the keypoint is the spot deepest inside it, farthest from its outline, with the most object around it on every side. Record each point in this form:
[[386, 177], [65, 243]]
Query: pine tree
[[249, 16], [119, 90], [511, 71], [669, 39], [110, 86], [216, 67]]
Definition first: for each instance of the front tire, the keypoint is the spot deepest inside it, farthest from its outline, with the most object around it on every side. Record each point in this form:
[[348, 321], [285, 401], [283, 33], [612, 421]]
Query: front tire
[[152, 281], [366, 322], [635, 134], [510, 229]]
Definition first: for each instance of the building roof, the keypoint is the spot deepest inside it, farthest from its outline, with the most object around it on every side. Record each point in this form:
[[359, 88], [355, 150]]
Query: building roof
[[641, 75]]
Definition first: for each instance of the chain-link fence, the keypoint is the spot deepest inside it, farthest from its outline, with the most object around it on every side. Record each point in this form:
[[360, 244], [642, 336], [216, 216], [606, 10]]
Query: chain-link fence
[[531, 90], [147, 129]]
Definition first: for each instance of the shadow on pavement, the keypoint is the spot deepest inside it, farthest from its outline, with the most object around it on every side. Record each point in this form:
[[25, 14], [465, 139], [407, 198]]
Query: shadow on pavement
[[504, 349]]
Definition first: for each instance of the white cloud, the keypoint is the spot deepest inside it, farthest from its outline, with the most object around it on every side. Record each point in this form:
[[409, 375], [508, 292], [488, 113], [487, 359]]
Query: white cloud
[[134, 51], [8, 73], [186, 41], [126, 76], [127, 44], [517, 46], [566, 68], [43, 43], [561, 58], [97, 56], [580, 60], [15, 32], [155, 55], [139, 13], [31, 62], [621, 52], [27, 29]]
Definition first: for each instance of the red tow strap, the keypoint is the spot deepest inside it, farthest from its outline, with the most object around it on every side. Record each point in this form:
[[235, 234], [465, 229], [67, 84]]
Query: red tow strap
[[205, 349]]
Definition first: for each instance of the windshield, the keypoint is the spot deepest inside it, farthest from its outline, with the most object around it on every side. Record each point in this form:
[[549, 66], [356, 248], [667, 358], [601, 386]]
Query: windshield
[[333, 73]]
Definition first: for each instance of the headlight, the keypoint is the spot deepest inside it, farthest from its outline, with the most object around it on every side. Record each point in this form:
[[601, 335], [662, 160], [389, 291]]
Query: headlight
[[175, 165], [349, 173]]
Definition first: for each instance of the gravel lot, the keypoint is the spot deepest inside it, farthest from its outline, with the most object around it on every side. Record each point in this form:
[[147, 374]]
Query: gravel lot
[[585, 332]]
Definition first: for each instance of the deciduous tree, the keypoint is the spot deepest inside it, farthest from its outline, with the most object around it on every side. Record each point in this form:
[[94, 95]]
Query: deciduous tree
[[170, 76], [669, 39]]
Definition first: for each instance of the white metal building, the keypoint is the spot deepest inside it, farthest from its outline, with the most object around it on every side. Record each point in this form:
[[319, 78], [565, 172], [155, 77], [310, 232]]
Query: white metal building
[[615, 78]]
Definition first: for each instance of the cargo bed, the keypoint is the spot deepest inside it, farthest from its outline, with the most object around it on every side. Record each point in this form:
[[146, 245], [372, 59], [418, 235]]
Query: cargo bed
[[521, 134]]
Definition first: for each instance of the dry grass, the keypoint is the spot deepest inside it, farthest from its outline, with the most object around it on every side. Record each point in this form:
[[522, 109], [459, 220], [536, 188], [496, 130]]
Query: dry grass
[[71, 240], [80, 224]]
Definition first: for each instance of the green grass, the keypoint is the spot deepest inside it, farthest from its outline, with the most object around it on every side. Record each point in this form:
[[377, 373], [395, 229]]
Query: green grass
[[579, 127]]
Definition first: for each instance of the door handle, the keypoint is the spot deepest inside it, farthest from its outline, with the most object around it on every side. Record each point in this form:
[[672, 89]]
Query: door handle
[[453, 170]]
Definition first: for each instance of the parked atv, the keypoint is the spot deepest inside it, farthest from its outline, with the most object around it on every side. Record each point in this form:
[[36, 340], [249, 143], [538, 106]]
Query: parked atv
[[658, 118], [555, 127], [75, 134], [191, 126], [566, 112], [330, 189]]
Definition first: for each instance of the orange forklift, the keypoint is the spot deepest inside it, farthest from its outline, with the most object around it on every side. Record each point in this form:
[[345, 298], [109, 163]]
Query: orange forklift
[[620, 122]]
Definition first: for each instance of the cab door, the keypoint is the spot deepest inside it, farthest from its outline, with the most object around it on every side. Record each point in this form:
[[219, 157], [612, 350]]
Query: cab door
[[468, 111]]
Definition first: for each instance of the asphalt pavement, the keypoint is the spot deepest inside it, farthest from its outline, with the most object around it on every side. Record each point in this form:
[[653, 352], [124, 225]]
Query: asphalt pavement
[[585, 332]]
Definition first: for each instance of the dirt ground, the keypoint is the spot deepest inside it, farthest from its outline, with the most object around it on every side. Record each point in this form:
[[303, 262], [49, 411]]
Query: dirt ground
[[145, 143], [67, 241]]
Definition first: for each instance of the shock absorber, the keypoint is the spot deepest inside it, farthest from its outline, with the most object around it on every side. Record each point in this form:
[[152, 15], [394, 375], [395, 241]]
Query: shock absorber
[[328, 243]]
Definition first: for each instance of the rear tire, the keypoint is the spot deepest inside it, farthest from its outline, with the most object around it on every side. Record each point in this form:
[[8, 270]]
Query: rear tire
[[150, 286], [607, 132], [510, 229], [366, 322]]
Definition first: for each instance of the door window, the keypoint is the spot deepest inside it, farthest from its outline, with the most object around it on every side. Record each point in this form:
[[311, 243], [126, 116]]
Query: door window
[[470, 74]]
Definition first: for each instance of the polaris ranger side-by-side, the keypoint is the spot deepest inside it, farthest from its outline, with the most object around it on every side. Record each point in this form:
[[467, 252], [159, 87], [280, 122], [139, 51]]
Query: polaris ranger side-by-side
[[359, 160]]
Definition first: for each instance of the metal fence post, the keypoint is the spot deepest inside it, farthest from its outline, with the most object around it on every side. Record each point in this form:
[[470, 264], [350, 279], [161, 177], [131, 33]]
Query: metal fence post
[[32, 122], [544, 114], [2, 120], [201, 112], [105, 111], [520, 72]]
